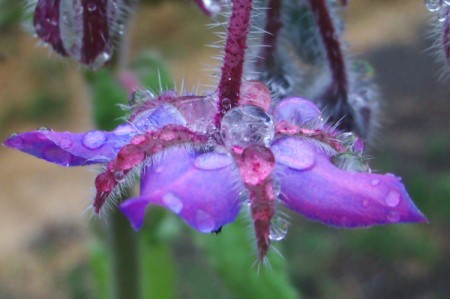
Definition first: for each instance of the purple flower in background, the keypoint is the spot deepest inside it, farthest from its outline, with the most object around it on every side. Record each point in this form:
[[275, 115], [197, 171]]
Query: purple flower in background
[[206, 174]]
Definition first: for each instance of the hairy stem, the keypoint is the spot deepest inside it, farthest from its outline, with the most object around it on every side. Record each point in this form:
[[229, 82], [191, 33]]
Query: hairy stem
[[236, 45], [338, 89], [271, 28]]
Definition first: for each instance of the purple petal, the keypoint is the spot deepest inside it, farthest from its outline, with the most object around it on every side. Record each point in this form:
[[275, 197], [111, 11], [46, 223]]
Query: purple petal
[[47, 24], [312, 186], [202, 188], [72, 149]]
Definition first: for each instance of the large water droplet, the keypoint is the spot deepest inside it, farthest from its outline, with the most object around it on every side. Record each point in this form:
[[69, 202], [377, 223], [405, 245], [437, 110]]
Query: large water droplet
[[392, 199], [247, 125], [213, 161], [278, 228], [294, 153], [173, 202], [375, 182], [205, 223], [256, 164], [299, 112], [94, 139], [255, 93], [433, 5]]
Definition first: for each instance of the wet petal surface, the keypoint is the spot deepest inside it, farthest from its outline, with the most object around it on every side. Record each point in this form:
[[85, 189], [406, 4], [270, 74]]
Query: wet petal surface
[[202, 188], [312, 186]]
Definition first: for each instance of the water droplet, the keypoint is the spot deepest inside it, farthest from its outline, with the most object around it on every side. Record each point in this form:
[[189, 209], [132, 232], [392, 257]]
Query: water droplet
[[44, 130], [351, 162], [433, 5], [375, 182], [159, 169], [91, 7], [299, 112], [247, 125], [94, 139], [119, 176], [173, 202], [244, 197], [392, 199], [393, 216], [100, 60], [125, 129], [255, 93], [256, 164], [442, 14], [65, 143], [205, 223], [276, 187], [294, 153], [213, 161], [278, 228], [351, 142]]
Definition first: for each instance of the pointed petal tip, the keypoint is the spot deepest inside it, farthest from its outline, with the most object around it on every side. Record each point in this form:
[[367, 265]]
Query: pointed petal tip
[[134, 209]]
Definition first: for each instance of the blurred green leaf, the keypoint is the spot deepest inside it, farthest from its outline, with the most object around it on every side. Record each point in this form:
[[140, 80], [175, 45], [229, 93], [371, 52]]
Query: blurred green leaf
[[230, 253], [10, 12]]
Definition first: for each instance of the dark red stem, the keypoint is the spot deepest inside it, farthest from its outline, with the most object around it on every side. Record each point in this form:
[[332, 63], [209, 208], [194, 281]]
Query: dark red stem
[[338, 89], [236, 45]]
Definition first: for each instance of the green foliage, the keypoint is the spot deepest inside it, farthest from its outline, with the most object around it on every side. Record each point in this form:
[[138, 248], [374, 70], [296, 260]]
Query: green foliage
[[231, 255], [10, 13]]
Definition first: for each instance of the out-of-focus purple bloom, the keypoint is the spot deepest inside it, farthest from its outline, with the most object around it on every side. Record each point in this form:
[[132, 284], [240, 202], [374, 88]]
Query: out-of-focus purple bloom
[[84, 30], [205, 174]]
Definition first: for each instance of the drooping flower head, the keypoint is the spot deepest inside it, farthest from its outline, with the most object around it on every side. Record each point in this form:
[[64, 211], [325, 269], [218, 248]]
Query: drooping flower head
[[206, 157], [85, 30]]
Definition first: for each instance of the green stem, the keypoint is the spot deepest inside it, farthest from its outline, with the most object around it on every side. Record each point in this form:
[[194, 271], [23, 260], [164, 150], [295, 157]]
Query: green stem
[[123, 242]]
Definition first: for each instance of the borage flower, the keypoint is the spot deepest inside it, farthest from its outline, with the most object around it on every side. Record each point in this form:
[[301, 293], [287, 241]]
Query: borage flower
[[204, 157], [258, 156]]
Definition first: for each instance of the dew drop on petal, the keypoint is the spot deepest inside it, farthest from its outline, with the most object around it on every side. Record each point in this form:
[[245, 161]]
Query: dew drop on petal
[[212, 161], [365, 203], [294, 153], [247, 125], [94, 139], [298, 111], [204, 222], [392, 199], [393, 216], [255, 93], [278, 228], [375, 182], [173, 202], [65, 143]]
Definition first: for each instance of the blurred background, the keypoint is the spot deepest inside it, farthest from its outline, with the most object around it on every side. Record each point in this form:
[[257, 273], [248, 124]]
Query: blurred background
[[47, 244]]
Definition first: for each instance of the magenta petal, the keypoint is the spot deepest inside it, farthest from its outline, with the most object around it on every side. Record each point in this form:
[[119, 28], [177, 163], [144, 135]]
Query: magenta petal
[[72, 149], [312, 186], [202, 188]]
